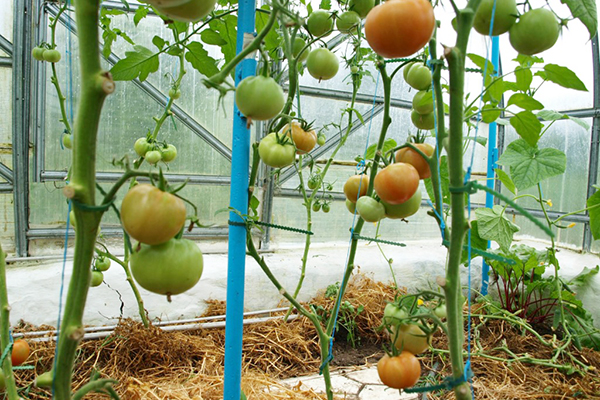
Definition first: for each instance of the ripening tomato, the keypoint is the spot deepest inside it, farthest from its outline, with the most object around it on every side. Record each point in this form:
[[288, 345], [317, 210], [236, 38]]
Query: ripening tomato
[[411, 338], [505, 15], [370, 209], [189, 11], [150, 215], [259, 98], [351, 206], [536, 31], [399, 28], [305, 140], [20, 352], [396, 183], [276, 151], [353, 185], [319, 23], [322, 64], [400, 372], [413, 158], [403, 210]]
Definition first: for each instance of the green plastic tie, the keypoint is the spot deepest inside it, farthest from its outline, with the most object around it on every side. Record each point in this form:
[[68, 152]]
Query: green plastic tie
[[7, 350], [86, 207], [448, 383], [285, 228], [368, 239]]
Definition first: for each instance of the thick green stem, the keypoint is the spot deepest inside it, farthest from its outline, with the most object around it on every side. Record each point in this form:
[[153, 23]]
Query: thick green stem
[[9, 379], [96, 84]]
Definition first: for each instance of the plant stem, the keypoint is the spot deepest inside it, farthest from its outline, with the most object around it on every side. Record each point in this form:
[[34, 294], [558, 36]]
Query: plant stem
[[95, 86], [9, 379]]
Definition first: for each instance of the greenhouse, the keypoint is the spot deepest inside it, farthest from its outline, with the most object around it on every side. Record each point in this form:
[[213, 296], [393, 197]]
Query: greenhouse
[[359, 199]]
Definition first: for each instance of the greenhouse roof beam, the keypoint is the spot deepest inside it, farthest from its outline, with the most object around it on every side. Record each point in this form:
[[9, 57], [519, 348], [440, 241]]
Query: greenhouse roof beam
[[6, 45], [158, 96], [345, 95], [6, 173], [331, 144], [220, 180], [5, 62], [199, 233]]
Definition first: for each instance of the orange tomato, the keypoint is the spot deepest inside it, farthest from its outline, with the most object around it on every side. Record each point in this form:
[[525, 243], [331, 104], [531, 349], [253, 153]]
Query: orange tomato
[[20, 352], [396, 183], [305, 141], [399, 372], [408, 155], [352, 186], [399, 28]]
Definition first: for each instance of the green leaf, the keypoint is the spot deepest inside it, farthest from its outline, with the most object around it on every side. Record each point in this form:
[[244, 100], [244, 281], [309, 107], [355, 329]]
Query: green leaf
[[138, 63], [211, 37], [477, 242], [272, 41], [551, 115], [445, 182], [388, 145], [585, 11], [140, 14], [593, 205], [325, 5], [200, 60], [562, 76], [158, 42], [584, 277], [481, 63], [490, 113], [579, 122], [494, 89], [530, 165], [493, 225], [109, 38], [226, 27], [505, 179], [527, 126], [524, 77], [525, 101]]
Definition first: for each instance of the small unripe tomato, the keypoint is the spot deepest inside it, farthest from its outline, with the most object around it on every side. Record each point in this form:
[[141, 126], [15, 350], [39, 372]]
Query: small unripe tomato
[[169, 154], [174, 94], [97, 278], [102, 263], [153, 156], [52, 56], [66, 140]]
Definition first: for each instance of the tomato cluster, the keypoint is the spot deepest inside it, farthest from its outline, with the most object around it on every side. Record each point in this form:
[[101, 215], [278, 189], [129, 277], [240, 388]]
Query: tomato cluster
[[154, 151], [44, 53]]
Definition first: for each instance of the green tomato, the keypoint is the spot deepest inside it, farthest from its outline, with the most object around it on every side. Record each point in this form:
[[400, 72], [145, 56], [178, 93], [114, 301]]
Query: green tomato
[[361, 7], [66, 140], [423, 102], [319, 23], [44, 380], [536, 31], [259, 98], [419, 77], [102, 264], [316, 207], [97, 278], [52, 56], [169, 154], [423, 121], [314, 182], [321, 139], [393, 315], [322, 64], [174, 94], [326, 208], [348, 22], [141, 146], [170, 268], [505, 16], [190, 11], [153, 156], [440, 311], [370, 209], [38, 53], [354, 69], [276, 154], [351, 206], [403, 210], [299, 44], [407, 68]]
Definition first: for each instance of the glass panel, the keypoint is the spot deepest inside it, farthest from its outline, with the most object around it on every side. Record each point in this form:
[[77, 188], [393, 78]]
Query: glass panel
[[6, 20]]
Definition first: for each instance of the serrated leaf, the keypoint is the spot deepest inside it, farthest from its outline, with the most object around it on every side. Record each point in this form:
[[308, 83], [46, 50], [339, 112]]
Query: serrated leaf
[[527, 126], [493, 225], [585, 11], [109, 38], [525, 102], [563, 76], [530, 165], [584, 277], [140, 14], [272, 41], [524, 77], [200, 60], [505, 179], [593, 205], [209, 36], [226, 27], [138, 63], [158, 42]]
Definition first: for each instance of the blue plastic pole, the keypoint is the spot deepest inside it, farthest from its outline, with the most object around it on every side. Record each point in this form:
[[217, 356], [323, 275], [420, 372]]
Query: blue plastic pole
[[492, 159], [237, 234]]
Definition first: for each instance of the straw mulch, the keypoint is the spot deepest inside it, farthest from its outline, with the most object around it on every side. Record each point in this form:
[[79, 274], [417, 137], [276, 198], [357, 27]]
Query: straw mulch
[[152, 364]]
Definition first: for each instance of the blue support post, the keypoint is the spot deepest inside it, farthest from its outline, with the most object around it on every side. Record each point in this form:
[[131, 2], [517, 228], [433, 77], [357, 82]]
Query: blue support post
[[492, 159], [237, 234]]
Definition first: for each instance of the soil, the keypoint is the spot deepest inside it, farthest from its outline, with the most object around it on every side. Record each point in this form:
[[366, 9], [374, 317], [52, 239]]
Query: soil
[[367, 351]]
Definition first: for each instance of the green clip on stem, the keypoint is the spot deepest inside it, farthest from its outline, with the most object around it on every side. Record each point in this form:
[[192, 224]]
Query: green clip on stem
[[285, 228], [368, 239]]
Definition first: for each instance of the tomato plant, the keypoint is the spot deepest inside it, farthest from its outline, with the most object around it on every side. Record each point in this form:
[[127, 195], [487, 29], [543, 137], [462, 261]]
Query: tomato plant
[[396, 183], [355, 187], [410, 337], [304, 138], [319, 23], [536, 31], [141, 146], [102, 263], [299, 44], [413, 158], [169, 154], [276, 151], [403, 210], [259, 98], [361, 7], [348, 22], [52, 56], [169, 268], [20, 352], [418, 76], [399, 28], [370, 209], [188, 11], [505, 16], [399, 372], [322, 64], [96, 279], [150, 215]]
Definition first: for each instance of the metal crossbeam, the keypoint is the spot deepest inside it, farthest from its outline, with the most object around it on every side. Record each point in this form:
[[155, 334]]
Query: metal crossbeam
[[114, 176], [6, 45]]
